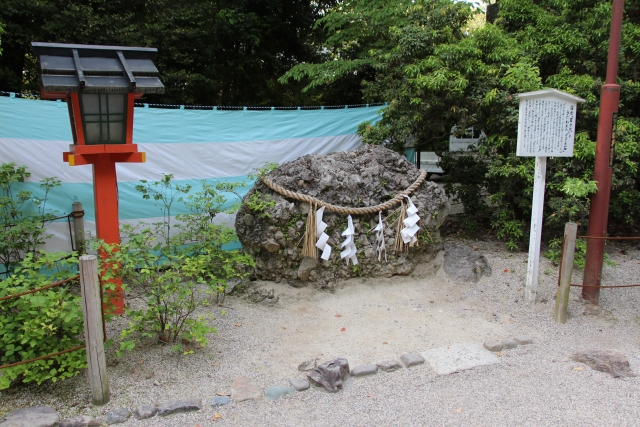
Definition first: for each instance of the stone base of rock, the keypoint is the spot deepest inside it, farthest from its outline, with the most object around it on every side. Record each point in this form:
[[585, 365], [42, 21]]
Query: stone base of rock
[[458, 357]]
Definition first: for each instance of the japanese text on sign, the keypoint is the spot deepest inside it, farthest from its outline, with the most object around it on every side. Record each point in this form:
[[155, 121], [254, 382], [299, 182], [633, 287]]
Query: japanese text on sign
[[546, 127]]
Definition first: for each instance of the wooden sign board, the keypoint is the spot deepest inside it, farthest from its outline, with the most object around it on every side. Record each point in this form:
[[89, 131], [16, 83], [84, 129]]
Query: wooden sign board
[[546, 124], [546, 128]]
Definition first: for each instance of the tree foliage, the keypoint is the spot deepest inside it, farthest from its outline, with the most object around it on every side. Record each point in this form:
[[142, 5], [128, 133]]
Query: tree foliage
[[211, 52], [440, 73]]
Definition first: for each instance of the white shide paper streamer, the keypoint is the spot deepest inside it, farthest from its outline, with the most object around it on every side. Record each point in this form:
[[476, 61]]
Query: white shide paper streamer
[[349, 244], [321, 235], [410, 230], [380, 238]]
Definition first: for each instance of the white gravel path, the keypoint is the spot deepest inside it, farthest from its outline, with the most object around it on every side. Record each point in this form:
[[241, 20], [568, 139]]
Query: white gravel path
[[534, 385]]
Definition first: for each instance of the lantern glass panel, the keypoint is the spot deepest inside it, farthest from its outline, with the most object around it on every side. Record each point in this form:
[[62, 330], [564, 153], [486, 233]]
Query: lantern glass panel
[[104, 117]]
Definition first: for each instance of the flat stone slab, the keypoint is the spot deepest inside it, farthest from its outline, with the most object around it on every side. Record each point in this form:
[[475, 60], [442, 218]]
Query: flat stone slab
[[411, 359], [389, 365], [277, 391], [34, 416], [459, 357], [242, 390], [363, 370], [178, 406], [80, 421], [118, 415], [143, 412], [611, 362], [299, 384]]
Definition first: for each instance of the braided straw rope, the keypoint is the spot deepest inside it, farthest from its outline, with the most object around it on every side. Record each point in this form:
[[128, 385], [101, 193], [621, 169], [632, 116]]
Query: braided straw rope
[[340, 209]]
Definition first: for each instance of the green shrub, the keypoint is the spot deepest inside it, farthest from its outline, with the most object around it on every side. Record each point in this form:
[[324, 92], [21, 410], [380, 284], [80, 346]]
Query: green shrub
[[22, 215], [41, 323], [169, 277]]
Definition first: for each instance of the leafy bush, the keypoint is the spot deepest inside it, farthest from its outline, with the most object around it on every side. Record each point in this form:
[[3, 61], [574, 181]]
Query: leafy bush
[[554, 253], [169, 276], [22, 215], [41, 323]]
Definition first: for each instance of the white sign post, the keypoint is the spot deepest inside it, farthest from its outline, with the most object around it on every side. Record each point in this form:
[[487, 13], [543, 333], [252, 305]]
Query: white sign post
[[546, 128]]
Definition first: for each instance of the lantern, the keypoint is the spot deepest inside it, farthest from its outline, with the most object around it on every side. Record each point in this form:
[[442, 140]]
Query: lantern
[[100, 85]]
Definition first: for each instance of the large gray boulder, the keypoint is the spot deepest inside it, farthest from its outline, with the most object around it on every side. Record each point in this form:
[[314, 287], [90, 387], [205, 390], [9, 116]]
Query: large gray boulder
[[271, 227]]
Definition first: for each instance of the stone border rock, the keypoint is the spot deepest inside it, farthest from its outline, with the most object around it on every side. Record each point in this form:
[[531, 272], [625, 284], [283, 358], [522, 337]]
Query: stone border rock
[[506, 344], [241, 390]]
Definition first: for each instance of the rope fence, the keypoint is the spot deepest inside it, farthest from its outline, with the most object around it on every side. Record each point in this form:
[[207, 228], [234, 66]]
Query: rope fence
[[69, 217], [596, 286], [69, 350]]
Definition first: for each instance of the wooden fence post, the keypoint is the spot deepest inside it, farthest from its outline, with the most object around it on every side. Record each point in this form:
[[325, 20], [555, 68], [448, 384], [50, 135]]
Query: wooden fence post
[[566, 267], [93, 334], [78, 227]]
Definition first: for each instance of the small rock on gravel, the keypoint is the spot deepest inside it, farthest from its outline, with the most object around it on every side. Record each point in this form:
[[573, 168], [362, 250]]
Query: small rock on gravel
[[493, 345], [464, 265], [118, 415], [411, 359], [277, 391], [242, 390], [220, 401], [177, 406], [389, 365], [143, 412], [509, 343], [608, 361], [523, 339], [80, 421], [34, 416], [362, 370], [299, 384]]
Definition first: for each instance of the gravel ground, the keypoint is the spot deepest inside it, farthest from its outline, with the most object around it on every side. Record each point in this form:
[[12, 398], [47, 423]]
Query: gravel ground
[[533, 385]]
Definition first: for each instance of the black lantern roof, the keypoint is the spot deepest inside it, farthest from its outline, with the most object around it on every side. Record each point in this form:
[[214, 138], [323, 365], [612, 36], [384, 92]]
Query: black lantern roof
[[97, 69]]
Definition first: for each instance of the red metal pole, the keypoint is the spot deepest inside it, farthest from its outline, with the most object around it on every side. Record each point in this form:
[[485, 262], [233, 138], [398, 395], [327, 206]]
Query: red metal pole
[[105, 190], [599, 210]]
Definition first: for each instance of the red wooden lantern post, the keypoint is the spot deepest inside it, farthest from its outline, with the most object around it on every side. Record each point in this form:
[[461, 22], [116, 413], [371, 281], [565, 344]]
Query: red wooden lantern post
[[100, 85]]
